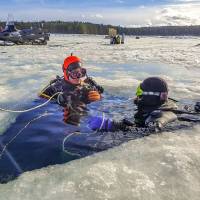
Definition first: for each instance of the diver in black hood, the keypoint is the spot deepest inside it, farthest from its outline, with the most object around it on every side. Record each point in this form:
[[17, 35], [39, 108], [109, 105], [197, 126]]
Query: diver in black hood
[[154, 110]]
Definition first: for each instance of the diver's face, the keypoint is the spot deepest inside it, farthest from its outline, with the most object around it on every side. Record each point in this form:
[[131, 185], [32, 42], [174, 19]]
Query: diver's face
[[76, 75]]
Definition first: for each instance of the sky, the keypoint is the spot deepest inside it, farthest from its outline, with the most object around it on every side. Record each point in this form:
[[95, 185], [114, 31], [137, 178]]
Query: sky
[[127, 13]]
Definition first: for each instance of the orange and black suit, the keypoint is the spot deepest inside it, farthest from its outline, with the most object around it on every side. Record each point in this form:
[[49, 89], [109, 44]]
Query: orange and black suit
[[73, 97]]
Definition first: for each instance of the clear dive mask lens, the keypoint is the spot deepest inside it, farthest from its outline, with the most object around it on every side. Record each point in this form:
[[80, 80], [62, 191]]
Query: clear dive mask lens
[[77, 74]]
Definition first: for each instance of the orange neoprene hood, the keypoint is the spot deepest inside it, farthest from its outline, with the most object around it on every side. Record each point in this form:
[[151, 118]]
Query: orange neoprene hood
[[69, 60]]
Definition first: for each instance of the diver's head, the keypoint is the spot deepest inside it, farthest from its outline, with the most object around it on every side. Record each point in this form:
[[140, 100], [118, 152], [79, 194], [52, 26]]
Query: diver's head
[[72, 69], [153, 91]]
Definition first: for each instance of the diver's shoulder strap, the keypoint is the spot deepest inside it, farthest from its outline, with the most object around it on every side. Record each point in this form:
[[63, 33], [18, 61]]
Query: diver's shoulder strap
[[53, 87], [43, 95]]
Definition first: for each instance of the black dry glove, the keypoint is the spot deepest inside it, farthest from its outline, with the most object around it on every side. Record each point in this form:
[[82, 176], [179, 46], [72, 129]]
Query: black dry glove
[[100, 89], [124, 125], [93, 83]]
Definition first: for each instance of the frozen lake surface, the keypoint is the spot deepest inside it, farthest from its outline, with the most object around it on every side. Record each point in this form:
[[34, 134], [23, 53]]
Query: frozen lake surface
[[165, 166]]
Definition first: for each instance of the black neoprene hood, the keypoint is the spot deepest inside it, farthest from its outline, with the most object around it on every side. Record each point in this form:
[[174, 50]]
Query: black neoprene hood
[[154, 84]]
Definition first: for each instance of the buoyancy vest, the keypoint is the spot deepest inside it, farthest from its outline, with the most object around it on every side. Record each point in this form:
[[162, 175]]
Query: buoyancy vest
[[78, 92], [143, 112]]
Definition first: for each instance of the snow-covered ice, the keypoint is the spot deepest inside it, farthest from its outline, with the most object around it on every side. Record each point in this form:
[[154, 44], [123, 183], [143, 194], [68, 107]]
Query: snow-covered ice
[[164, 166]]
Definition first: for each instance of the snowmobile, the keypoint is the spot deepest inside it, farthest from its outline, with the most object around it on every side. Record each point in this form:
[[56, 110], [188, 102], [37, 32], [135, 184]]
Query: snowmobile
[[11, 35]]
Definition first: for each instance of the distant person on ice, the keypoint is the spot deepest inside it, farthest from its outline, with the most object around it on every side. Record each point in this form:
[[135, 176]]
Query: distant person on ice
[[115, 39], [74, 90]]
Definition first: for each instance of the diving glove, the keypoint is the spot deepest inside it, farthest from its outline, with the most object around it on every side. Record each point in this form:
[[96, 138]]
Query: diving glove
[[93, 83], [93, 96]]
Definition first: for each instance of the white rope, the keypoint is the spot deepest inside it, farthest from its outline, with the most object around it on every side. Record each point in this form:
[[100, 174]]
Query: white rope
[[8, 143], [19, 169], [30, 109], [102, 123], [63, 145]]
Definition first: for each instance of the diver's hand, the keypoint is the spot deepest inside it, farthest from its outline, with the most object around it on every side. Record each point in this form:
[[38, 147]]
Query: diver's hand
[[100, 89], [93, 96], [100, 124], [92, 82]]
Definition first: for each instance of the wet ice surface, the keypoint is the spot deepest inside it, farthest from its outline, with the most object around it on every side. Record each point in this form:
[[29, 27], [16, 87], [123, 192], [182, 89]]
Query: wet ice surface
[[164, 166]]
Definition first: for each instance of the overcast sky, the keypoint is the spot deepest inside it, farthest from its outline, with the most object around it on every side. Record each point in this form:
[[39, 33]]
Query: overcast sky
[[131, 13]]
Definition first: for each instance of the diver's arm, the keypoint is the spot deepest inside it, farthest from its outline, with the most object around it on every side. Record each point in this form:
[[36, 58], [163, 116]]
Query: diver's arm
[[98, 123], [123, 125], [155, 122]]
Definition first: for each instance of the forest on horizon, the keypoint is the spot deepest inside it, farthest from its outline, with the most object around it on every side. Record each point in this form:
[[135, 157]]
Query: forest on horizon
[[61, 27]]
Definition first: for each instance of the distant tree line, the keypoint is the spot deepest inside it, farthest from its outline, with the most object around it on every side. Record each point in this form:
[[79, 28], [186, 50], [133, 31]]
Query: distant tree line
[[100, 29]]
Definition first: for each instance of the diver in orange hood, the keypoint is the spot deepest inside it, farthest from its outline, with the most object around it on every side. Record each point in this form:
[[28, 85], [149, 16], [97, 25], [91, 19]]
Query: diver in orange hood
[[74, 90]]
